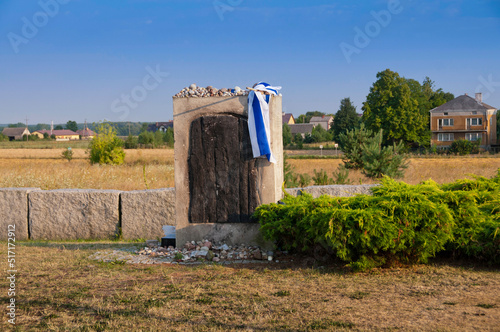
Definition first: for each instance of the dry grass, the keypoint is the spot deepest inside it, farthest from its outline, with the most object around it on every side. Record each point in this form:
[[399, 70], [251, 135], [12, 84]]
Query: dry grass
[[441, 170], [44, 168], [59, 288]]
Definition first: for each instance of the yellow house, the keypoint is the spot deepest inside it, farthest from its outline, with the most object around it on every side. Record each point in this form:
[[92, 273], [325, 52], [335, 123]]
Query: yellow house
[[288, 118], [61, 135], [65, 135]]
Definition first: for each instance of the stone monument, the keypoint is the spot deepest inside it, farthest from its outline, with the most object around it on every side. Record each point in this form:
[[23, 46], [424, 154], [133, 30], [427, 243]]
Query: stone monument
[[218, 183]]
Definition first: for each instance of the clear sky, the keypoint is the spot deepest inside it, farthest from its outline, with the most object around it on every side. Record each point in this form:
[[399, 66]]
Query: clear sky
[[123, 60]]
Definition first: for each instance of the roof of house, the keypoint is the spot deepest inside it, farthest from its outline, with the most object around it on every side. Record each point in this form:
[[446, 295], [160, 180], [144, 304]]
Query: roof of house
[[86, 132], [157, 125], [463, 102], [301, 128], [57, 132], [323, 118], [14, 131], [165, 124], [63, 132], [286, 117]]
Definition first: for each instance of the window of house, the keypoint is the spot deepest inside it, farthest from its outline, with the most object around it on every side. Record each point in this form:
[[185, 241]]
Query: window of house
[[445, 137], [473, 136], [475, 121], [445, 122]]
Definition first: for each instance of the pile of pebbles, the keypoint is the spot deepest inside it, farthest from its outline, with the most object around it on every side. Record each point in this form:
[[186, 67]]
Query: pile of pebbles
[[195, 91], [191, 253]]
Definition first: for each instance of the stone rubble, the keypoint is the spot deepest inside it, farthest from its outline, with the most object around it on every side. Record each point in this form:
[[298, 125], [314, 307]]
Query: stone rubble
[[191, 253], [194, 91]]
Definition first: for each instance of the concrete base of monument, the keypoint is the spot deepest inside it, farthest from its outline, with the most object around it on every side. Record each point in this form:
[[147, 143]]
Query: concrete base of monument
[[231, 234]]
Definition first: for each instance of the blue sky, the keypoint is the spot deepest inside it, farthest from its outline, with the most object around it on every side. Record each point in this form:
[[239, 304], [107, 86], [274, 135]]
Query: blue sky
[[122, 60]]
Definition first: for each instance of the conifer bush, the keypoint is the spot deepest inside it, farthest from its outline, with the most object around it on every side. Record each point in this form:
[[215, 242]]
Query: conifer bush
[[364, 150], [399, 223]]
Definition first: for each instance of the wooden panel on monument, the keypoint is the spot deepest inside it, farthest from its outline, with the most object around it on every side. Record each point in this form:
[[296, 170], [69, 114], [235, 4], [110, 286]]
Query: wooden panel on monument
[[222, 171]]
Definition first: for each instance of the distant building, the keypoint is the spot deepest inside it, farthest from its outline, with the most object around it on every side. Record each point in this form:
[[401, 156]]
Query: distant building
[[301, 128], [464, 118], [60, 134], [15, 134], [161, 126], [86, 133], [288, 118], [324, 121]]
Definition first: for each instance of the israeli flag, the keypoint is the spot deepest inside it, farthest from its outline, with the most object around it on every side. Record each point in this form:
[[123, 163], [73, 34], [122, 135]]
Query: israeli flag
[[258, 120]]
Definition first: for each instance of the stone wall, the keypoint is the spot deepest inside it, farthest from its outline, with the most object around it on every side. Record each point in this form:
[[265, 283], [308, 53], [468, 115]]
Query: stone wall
[[145, 212], [14, 211], [100, 214]]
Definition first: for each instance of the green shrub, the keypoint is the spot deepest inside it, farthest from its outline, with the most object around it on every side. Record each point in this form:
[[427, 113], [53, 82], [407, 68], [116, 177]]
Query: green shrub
[[341, 176], [464, 147], [131, 142], [400, 222], [67, 154], [304, 180], [321, 178], [106, 148], [365, 231], [475, 205]]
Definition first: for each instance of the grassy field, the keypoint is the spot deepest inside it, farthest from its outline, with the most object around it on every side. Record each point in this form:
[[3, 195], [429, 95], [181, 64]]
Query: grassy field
[[59, 288], [44, 145], [45, 169]]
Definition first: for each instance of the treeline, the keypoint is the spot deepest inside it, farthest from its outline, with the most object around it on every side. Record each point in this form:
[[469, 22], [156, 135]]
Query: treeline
[[148, 139], [122, 128]]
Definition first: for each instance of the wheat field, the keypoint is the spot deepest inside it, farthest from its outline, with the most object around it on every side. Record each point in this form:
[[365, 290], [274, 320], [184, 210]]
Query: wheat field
[[153, 169]]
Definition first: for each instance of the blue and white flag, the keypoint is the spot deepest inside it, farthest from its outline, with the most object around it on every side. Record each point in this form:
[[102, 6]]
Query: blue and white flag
[[258, 120]]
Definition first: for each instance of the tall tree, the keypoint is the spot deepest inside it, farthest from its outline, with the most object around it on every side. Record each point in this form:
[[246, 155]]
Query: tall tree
[[390, 106], [71, 125], [345, 119], [401, 107]]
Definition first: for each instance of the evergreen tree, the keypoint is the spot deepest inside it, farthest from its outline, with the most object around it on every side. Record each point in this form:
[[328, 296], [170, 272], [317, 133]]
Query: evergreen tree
[[287, 135], [351, 144], [345, 119], [364, 150], [381, 160]]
